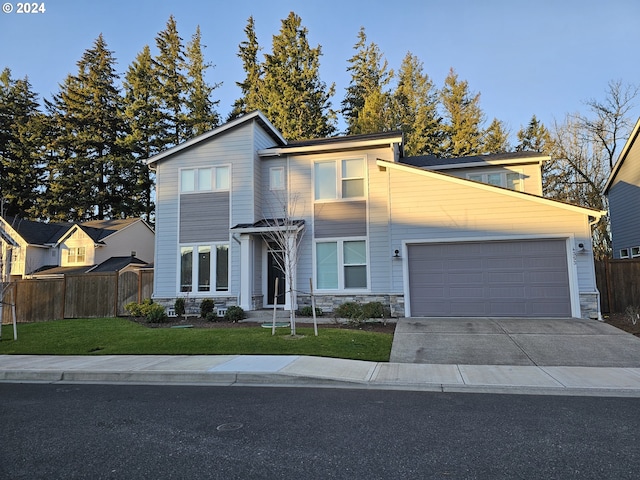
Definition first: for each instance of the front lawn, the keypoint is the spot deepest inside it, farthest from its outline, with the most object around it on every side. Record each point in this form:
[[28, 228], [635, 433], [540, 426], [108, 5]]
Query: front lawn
[[117, 336]]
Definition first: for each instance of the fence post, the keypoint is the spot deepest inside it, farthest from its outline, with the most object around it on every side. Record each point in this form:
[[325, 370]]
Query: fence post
[[607, 276]]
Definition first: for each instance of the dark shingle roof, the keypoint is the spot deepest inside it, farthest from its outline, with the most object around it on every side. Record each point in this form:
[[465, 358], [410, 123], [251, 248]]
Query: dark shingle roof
[[434, 161], [114, 264], [38, 233]]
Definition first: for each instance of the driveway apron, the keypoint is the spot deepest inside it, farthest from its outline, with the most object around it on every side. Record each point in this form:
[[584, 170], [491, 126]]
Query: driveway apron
[[514, 341]]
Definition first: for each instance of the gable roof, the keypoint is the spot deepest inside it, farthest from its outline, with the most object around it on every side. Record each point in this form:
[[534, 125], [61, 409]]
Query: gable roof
[[114, 264], [484, 186], [623, 155], [434, 162], [38, 233], [252, 116]]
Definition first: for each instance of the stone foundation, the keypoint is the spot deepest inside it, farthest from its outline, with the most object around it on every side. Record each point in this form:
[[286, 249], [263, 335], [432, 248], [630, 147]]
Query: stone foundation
[[590, 306], [328, 303]]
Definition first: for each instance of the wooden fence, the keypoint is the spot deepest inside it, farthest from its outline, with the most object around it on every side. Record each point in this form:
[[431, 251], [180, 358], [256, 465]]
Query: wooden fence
[[619, 284], [87, 295]]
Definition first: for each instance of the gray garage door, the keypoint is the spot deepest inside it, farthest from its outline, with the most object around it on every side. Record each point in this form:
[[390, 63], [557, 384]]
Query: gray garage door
[[526, 278]]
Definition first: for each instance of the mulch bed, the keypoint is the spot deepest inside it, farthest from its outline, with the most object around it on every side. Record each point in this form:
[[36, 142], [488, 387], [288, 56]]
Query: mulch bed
[[623, 322], [199, 322]]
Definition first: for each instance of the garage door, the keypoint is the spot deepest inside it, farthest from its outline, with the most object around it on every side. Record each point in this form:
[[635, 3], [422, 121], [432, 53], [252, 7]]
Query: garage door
[[526, 278]]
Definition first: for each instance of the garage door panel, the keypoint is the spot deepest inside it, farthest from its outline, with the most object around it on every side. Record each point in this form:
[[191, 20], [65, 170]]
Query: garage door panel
[[499, 278]]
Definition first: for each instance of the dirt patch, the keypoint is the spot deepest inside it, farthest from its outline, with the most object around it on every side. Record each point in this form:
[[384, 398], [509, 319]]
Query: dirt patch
[[199, 322], [623, 322]]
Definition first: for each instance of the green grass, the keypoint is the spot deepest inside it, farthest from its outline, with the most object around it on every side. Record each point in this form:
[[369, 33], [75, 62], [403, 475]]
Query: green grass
[[117, 336]]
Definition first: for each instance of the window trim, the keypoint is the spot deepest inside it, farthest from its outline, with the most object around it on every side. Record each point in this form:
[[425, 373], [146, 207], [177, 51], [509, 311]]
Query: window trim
[[503, 178], [341, 264], [196, 180], [214, 289], [75, 257], [339, 180], [624, 253]]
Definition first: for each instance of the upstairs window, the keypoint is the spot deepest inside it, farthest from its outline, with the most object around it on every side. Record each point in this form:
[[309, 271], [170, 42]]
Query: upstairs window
[[342, 179], [76, 255], [204, 179], [510, 180]]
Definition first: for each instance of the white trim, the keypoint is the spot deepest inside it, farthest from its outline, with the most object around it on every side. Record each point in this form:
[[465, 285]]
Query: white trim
[[503, 176], [329, 147], [340, 254], [490, 163], [275, 188], [623, 155], [213, 288], [339, 179], [572, 268]]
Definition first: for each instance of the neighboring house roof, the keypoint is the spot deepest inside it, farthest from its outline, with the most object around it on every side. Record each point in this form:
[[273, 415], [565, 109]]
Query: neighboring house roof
[[52, 270], [623, 155], [334, 143], [115, 264], [38, 233], [98, 230], [252, 116], [434, 162], [483, 186]]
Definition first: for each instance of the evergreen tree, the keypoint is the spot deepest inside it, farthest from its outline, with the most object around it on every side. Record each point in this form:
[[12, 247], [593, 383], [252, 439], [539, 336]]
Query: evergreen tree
[[201, 116], [88, 171], [145, 122], [251, 87], [366, 106], [464, 118], [534, 138], [416, 109], [296, 100], [496, 138], [21, 152], [168, 67]]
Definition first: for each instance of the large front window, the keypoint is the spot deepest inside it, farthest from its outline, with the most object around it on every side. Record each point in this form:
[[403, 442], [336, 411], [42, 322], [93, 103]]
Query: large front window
[[76, 254], [204, 266], [341, 264], [204, 179], [340, 179]]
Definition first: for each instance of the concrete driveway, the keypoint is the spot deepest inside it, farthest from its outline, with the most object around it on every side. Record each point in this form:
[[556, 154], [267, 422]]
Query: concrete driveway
[[514, 341]]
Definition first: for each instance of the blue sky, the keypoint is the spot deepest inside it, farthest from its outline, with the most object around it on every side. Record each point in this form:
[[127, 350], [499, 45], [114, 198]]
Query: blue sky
[[544, 58]]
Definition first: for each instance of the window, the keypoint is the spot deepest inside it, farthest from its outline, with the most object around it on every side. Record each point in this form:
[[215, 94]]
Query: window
[[510, 180], [339, 180], [624, 253], [208, 269], [635, 252], [341, 264], [204, 179], [76, 254], [276, 178]]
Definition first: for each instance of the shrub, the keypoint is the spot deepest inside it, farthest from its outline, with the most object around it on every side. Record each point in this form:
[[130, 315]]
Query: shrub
[[374, 310], [178, 307], [349, 310], [152, 312], [206, 307], [307, 311], [211, 317], [234, 314]]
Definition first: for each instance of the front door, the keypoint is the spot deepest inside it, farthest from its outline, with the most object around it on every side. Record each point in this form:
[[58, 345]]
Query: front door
[[274, 270]]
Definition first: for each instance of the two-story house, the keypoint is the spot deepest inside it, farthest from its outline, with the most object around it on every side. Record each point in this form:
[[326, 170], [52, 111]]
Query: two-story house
[[623, 192], [427, 237], [31, 249]]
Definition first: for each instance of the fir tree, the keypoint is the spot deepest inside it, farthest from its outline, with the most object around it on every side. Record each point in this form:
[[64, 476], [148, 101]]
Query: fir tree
[[415, 105], [251, 87], [201, 113], [168, 67], [463, 128], [496, 139], [87, 169], [296, 100], [534, 138], [366, 106], [144, 119], [21, 153]]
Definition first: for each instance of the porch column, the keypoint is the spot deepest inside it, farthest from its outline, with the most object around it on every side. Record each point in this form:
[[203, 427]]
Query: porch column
[[246, 272]]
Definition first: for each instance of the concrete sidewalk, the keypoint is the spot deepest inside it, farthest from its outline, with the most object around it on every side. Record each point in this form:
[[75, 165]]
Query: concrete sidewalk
[[257, 370]]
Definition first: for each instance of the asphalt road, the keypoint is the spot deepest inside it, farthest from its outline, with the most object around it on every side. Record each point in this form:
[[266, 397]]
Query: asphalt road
[[177, 432]]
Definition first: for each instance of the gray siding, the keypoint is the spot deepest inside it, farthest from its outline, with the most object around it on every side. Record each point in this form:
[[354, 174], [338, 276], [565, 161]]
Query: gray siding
[[624, 203], [340, 219], [204, 217]]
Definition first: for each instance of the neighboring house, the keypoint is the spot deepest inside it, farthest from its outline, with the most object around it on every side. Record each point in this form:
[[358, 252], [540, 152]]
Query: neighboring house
[[623, 191], [425, 236], [36, 249]]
